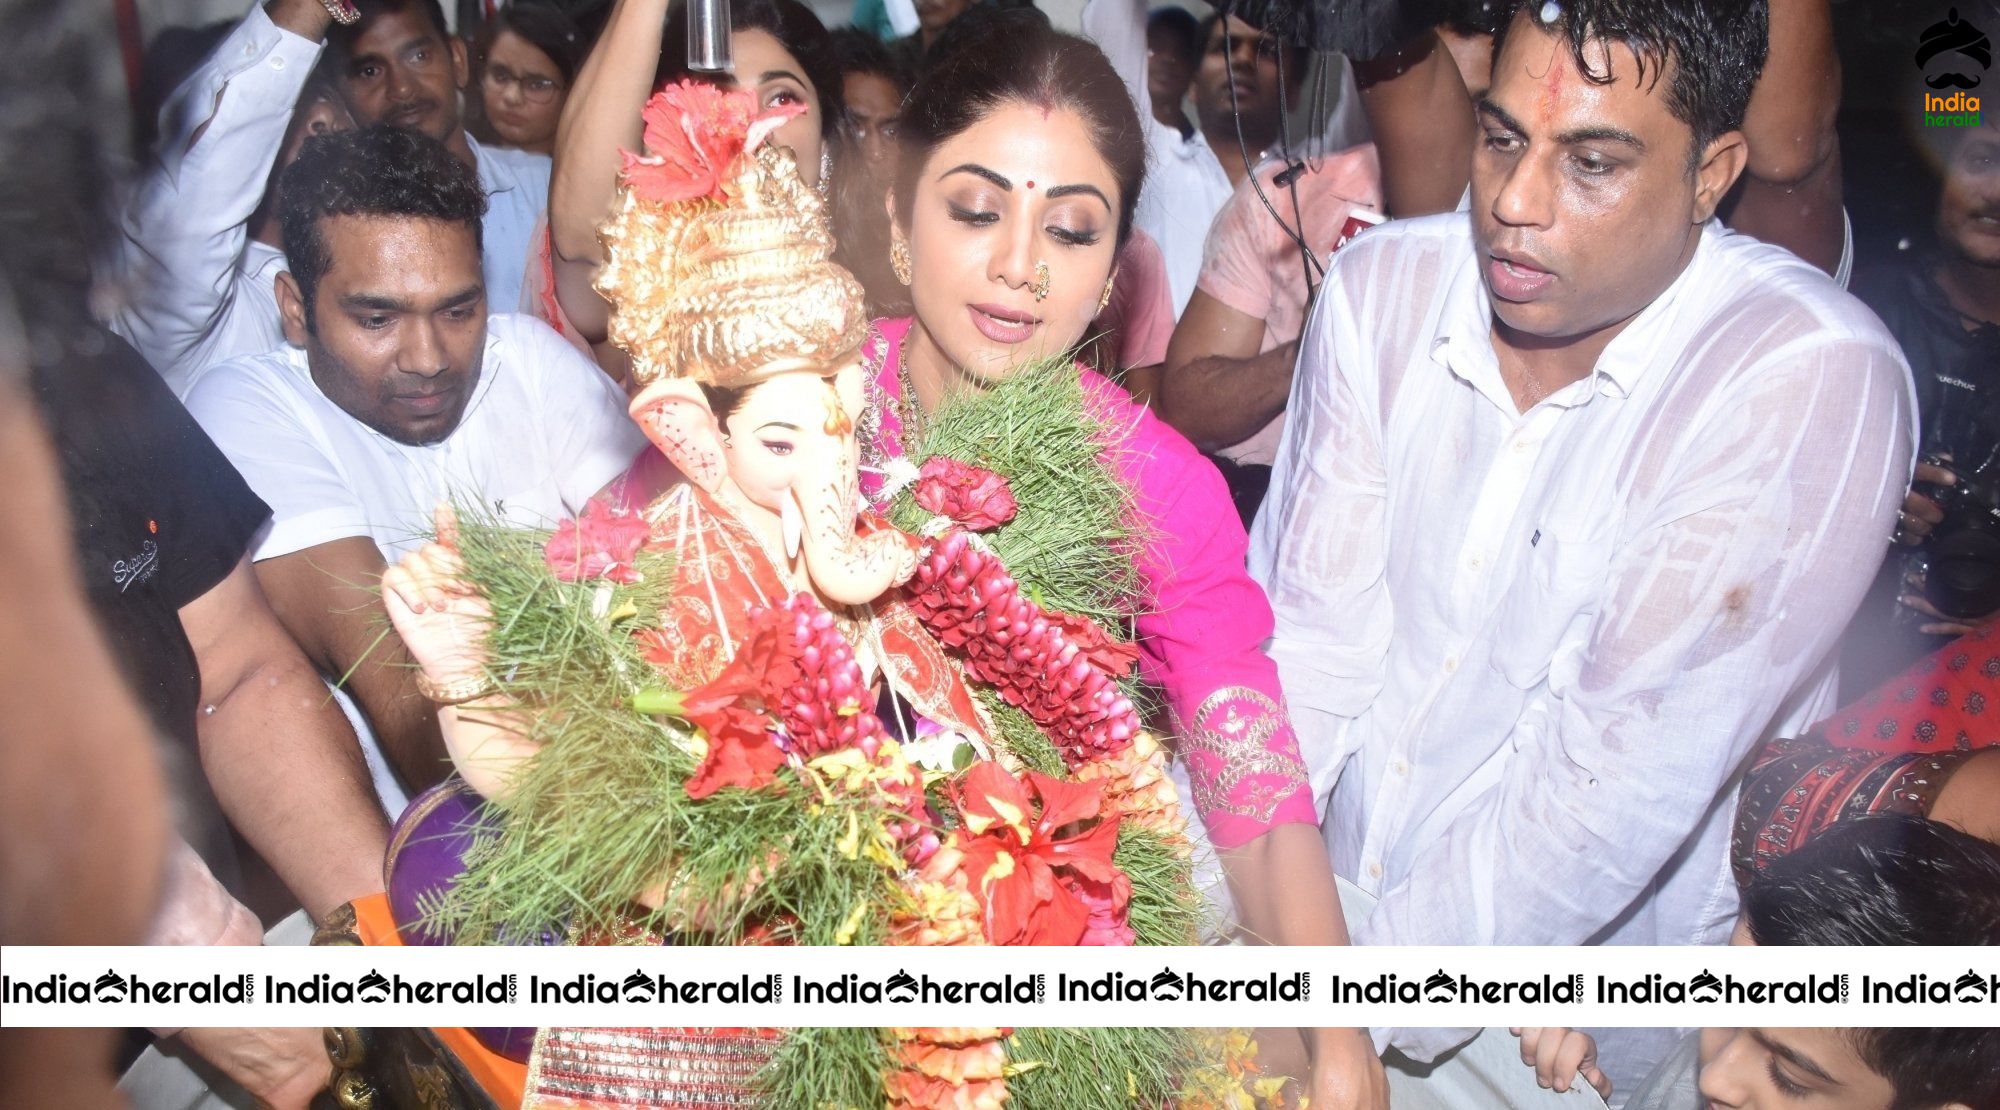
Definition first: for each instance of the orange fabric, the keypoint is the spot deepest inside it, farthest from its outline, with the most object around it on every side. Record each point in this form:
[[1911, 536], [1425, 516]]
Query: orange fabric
[[503, 1079]]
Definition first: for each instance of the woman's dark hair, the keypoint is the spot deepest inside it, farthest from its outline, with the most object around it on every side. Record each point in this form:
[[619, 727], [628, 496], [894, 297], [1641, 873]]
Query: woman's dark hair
[[545, 27], [795, 27], [988, 58]]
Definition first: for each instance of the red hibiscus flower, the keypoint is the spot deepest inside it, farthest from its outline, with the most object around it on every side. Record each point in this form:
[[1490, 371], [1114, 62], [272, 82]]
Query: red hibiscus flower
[[973, 498], [694, 131], [599, 544], [1028, 845], [737, 710]]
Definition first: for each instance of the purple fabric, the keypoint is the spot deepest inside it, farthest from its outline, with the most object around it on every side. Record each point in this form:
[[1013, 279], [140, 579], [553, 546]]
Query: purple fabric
[[426, 857]]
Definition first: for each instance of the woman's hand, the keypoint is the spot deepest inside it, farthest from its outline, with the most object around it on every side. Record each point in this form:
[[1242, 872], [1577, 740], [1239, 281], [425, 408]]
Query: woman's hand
[[1559, 1056], [1346, 1072], [441, 618]]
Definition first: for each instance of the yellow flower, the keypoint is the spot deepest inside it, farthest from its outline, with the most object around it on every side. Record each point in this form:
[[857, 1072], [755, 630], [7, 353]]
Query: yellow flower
[[845, 935]]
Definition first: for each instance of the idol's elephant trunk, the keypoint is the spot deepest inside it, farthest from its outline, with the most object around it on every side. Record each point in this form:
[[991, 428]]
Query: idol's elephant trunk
[[846, 566]]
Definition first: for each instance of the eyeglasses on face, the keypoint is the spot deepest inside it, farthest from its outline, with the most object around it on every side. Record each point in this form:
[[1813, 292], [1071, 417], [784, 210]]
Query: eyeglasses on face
[[539, 89]]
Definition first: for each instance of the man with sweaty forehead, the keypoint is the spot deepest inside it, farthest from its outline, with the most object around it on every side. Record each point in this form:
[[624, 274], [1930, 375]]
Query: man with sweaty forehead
[[1577, 491]]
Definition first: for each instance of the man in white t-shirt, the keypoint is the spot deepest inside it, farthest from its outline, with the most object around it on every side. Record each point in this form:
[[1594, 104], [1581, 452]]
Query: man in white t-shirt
[[396, 391]]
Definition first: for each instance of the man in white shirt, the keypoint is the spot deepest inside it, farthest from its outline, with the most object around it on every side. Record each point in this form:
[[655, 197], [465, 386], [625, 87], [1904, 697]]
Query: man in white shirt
[[194, 263], [396, 390], [400, 65], [1190, 177], [1575, 495]]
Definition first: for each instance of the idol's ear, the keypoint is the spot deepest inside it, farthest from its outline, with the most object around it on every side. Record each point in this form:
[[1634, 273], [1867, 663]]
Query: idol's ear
[[674, 414]]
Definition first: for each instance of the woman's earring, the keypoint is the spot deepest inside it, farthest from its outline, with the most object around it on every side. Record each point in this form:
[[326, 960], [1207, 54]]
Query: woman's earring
[[825, 171], [1105, 299], [899, 260], [1041, 287]]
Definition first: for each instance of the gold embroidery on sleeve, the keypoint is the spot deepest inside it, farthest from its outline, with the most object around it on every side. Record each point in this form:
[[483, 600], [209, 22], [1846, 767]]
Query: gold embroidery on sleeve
[[1233, 726]]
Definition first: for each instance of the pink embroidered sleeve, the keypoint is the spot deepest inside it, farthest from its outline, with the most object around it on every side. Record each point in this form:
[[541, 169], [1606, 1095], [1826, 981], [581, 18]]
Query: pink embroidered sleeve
[[1202, 637]]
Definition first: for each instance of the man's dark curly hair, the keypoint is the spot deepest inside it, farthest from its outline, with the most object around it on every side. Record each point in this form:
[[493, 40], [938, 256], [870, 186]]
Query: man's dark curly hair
[[1709, 52], [376, 171]]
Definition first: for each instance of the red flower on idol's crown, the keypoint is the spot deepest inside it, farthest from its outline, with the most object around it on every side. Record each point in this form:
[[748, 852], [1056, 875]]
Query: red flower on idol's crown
[[972, 497], [694, 131], [602, 543], [1038, 853]]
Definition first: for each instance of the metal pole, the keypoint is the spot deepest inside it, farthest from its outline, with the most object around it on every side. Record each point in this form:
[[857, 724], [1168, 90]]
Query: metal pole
[[708, 36]]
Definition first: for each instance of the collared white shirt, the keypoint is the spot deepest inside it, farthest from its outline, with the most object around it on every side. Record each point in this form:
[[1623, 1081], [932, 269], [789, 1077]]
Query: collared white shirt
[[1527, 654], [1185, 183], [544, 431], [194, 289]]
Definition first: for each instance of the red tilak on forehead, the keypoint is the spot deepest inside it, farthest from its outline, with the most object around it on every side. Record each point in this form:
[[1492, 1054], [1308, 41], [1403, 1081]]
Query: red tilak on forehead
[[1031, 184], [1551, 91]]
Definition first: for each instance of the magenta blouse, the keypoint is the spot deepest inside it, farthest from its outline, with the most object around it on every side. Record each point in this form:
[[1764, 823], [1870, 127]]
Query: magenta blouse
[[1204, 621]]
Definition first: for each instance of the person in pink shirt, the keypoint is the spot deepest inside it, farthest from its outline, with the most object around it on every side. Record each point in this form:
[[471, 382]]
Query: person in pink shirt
[[1021, 167], [1229, 367]]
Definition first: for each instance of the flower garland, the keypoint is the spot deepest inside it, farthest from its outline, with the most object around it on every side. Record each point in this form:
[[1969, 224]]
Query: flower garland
[[771, 802]]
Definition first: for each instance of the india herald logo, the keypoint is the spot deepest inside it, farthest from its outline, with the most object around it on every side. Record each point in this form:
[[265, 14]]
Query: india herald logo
[[1952, 44]]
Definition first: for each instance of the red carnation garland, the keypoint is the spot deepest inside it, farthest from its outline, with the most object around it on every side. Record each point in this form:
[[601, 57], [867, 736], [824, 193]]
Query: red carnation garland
[[964, 596], [825, 706]]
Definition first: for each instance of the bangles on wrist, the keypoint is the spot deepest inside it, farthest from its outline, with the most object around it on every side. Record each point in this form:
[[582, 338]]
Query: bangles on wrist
[[343, 11]]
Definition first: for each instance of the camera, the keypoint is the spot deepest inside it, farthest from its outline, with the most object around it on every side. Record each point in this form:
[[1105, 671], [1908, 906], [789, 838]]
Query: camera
[[1963, 579]]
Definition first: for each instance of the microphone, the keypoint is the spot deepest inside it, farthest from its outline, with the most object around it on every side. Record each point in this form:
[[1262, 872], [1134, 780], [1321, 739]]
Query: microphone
[[1289, 174]]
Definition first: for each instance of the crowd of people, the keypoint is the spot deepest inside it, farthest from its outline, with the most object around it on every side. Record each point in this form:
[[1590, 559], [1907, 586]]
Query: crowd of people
[[1567, 529]]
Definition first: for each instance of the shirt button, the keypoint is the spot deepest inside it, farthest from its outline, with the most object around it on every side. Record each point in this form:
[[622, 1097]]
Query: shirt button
[[1520, 447], [277, 63], [249, 48], [1475, 562], [1374, 870], [1400, 767], [1450, 664]]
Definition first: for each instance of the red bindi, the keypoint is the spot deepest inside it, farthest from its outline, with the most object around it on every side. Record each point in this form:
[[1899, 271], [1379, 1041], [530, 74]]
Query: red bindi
[[1031, 184]]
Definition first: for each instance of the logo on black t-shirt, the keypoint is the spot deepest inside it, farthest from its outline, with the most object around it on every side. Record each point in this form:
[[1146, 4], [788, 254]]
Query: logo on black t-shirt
[[127, 573]]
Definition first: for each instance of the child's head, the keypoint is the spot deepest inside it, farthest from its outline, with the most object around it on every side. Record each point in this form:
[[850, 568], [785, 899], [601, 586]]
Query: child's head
[[1880, 881]]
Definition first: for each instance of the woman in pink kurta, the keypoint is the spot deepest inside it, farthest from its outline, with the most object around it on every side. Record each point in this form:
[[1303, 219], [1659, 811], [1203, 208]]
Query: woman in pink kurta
[[1202, 622]]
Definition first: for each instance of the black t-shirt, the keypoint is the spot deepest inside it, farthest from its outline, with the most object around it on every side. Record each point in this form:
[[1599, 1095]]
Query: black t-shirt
[[160, 518]]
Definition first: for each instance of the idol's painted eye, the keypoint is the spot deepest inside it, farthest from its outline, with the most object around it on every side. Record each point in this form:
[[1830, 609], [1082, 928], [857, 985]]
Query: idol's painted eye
[[778, 447]]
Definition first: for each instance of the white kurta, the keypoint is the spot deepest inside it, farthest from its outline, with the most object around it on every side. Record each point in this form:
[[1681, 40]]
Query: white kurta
[[1528, 653]]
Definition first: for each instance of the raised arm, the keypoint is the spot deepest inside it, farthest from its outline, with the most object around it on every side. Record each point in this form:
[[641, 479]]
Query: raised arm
[[1421, 116], [1790, 193], [187, 224], [1118, 27], [600, 118], [1747, 554]]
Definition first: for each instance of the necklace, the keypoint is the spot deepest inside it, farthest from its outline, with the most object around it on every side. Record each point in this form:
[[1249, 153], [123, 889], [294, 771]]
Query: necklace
[[906, 405]]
